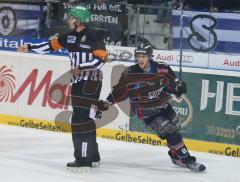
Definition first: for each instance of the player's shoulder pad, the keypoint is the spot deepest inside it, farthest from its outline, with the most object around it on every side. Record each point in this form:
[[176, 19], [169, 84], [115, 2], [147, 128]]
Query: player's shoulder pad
[[92, 32], [94, 35], [132, 69], [128, 70], [64, 36], [162, 63], [68, 33]]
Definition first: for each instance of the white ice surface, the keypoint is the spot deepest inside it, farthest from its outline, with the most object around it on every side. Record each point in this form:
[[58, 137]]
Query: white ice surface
[[30, 155]]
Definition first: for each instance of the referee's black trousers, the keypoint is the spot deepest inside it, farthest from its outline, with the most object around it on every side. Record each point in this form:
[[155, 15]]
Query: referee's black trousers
[[83, 127]]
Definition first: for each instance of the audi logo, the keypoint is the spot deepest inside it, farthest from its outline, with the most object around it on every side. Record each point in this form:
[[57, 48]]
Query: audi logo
[[185, 59], [122, 55]]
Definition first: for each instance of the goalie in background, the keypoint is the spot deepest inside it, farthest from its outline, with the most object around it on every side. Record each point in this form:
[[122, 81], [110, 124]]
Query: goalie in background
[[150, 87]]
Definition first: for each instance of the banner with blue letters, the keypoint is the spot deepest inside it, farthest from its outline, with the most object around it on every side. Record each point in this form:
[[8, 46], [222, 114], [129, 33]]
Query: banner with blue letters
[[11, 43], [207, 31]]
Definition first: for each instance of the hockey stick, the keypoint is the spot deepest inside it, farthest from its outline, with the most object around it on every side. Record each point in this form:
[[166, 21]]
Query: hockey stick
[[181, 39]]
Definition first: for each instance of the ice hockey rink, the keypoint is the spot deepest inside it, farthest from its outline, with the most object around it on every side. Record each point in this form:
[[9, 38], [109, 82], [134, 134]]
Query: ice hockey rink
[[41, 156]]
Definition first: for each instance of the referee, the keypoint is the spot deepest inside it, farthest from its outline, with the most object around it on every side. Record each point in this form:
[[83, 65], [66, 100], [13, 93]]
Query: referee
[[87, 55]]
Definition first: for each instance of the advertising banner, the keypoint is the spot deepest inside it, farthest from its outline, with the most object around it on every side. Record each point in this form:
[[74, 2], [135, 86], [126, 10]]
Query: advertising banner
[[210, 111], [26, 81], [224, 62], [189, 59]]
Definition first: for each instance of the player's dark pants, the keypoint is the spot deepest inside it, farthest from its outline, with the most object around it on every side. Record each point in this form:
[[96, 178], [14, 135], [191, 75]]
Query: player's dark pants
[[164, 121], [84, 141], [166, 124]]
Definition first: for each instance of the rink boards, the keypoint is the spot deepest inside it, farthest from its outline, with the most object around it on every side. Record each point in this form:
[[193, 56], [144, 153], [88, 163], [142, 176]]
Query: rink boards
[[210, 111]]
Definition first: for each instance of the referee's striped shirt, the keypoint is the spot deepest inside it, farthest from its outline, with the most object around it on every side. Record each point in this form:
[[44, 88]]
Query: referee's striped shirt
[[86, 51]]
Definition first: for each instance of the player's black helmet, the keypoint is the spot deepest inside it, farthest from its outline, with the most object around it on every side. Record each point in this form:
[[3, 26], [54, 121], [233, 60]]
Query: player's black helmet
[[144, 48]]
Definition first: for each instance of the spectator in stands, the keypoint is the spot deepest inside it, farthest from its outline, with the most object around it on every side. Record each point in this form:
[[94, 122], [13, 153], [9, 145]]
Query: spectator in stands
[[73, 3], [201, 5], [141, 2], [119, 1], [163, 12], [99, 2], [175, 4], [228, 5]]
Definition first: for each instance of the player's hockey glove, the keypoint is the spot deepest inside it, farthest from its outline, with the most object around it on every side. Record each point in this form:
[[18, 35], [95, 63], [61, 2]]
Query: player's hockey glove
[[110, 99], [181, 87], [103, 106], [98, 114]]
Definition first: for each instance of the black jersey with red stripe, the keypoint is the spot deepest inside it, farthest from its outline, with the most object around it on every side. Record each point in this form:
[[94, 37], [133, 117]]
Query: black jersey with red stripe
[[147, 91], [86, 50]]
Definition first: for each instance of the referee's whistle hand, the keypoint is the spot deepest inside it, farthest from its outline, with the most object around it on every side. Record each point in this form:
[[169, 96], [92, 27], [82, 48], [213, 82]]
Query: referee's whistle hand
[[23, 48]]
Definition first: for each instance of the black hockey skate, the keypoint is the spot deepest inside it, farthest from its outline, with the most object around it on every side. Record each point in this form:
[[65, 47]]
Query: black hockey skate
[[96, 159], [78, 167], [194, 166], [96, 164], [189, 163]]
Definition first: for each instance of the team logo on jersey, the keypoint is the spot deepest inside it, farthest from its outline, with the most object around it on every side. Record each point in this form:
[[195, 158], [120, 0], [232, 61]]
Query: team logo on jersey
[[84, 38], [71, 39], [154, 94]]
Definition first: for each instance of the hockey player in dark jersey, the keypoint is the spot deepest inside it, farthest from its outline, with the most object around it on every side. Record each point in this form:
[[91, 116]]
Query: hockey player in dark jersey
[[150, 87], [87, 54]]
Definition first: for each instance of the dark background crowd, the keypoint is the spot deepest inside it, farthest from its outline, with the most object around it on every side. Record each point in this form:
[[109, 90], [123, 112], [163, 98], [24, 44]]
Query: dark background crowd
[[198, 5], [195, 5]]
